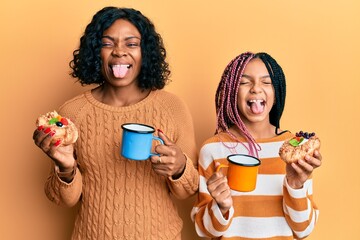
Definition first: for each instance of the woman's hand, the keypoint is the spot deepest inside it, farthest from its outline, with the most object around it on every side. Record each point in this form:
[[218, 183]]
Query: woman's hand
[[63, 156], [171, 162], [220, 191], [297, 173]]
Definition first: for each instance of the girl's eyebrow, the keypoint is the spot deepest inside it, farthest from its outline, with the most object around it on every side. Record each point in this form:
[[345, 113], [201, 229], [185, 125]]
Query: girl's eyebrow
[[249, 77]]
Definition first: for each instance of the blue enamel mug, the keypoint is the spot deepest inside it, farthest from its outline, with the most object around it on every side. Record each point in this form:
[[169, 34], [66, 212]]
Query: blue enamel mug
[[137, 141]]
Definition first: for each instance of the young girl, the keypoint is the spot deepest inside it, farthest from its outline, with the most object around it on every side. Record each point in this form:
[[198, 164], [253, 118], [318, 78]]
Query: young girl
[[249, 103], [122, 53]]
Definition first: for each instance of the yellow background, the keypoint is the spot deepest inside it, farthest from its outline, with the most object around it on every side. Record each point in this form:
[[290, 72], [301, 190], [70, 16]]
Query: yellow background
[[316, 43]]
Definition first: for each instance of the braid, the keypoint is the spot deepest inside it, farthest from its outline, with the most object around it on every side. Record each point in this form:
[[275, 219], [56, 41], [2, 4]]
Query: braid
[[227, 93], [278, 80], [226, 101]]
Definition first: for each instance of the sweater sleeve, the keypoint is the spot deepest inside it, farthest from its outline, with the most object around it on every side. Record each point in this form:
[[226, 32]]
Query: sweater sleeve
[[301, 212], [187, 184], [58, 191], [62, 193], [209, 221], [184, 137]]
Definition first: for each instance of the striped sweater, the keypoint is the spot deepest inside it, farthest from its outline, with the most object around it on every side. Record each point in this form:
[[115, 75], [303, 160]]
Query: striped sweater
[[121, 198], [272, 211]]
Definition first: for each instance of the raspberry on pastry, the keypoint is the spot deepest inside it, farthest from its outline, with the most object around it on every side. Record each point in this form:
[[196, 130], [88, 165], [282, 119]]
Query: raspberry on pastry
[[296, 148], [65, 129]]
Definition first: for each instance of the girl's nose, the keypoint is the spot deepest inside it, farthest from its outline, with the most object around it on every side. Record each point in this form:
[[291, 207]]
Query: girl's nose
[[256, 88]]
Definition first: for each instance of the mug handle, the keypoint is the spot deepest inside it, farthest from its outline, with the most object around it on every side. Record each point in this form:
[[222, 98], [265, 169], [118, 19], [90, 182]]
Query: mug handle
[[221, 166], [161, 142]]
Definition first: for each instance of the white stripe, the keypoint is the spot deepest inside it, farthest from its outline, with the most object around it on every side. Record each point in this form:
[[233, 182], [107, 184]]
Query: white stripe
[[207, 219], [300, 193], [218, 150], [199, 232], [299, 216], [193, 212], [258, 227], [208, 224], [268, 185], [309, 229], [203, 185], [218, 215]]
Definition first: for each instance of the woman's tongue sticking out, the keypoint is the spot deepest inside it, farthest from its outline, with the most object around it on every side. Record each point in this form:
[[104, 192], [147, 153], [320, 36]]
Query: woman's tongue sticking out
[[120, 70]]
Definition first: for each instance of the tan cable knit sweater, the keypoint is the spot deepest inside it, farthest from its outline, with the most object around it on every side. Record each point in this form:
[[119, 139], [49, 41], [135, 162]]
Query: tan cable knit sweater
[[120, 198]]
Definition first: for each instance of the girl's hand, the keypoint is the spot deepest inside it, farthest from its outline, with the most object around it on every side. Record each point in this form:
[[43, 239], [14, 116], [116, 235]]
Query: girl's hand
[[63, 156], [297, 173], [171, 162], [220, 191]]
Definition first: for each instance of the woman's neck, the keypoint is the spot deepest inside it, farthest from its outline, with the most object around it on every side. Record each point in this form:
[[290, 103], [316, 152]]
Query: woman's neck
[[119, 97]]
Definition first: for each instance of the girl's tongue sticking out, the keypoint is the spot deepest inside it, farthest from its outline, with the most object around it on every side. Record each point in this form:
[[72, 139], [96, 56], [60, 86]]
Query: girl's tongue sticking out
[[120, 70], [256, 106]]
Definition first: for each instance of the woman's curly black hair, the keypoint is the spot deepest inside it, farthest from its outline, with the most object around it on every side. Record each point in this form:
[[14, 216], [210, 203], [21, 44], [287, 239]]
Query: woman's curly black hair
[[86, 65]]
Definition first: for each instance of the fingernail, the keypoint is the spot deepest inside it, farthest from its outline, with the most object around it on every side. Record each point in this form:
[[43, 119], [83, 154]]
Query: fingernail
[[47, 130], [40, 127], [57, 143], [159, 130], [52, 133]]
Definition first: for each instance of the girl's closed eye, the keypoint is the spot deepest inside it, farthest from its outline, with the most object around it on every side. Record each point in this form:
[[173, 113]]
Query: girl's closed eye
[[267, 82], [244, 82]]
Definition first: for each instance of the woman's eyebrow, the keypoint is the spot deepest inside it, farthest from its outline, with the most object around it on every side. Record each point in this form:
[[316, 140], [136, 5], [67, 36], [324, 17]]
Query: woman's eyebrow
[[127, 38], [108, 37], [131, 37]]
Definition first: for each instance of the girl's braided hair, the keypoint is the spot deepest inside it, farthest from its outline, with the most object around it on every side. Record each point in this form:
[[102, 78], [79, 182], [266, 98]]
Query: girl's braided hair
[[227, 92]]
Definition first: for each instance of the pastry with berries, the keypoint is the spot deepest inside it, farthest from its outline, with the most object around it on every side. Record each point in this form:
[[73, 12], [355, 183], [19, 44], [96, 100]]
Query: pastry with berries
[[296, 148], [66, 132]]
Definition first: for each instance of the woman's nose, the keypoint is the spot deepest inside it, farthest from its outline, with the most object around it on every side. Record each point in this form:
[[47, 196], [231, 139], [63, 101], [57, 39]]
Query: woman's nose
[[118, 51]]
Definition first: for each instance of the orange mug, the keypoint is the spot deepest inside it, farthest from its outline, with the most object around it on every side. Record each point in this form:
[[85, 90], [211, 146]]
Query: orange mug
[[242, 172]]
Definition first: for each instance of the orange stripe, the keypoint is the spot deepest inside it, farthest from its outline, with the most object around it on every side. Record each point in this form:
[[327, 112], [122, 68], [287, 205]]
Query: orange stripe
[[268, 166], [198, 220], [210, 170], [245, 238], [258, 206], [272, 166], [299, 227], [298, 204], [224, 137], [217, 226]]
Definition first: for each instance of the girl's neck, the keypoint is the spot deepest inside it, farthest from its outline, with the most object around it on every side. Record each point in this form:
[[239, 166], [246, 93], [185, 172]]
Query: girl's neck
[[257, 130]]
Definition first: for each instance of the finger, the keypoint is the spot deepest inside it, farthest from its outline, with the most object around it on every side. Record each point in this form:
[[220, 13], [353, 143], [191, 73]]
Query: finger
[[314, 162], [317, 155], [220, 191], [162, 170], [156, 159], [305, 166], [215, 181], [166, 140]]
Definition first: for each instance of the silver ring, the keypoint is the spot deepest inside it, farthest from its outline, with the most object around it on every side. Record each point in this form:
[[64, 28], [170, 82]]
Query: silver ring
[[159, 160]]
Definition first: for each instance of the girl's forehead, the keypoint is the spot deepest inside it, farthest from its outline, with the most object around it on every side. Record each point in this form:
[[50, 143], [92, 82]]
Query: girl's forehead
[[255, 66]]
